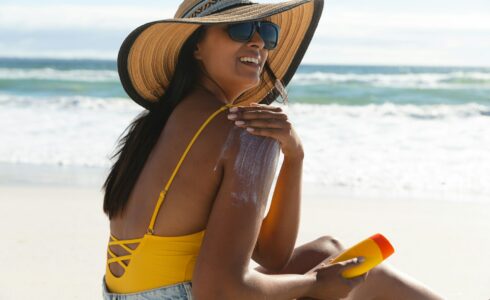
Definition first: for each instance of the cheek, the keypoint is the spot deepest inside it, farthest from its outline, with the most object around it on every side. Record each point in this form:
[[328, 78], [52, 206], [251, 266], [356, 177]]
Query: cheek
[[220, 59], [221, 63]]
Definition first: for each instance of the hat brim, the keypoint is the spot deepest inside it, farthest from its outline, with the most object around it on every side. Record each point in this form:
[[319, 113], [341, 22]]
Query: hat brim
[[148, 56]]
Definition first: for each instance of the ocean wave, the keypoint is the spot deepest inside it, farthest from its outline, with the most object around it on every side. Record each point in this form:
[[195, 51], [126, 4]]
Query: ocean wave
[[455, 79], [59, 75], [68, 103], [387, 147], [391, 110], [387, 109], [410, 80]]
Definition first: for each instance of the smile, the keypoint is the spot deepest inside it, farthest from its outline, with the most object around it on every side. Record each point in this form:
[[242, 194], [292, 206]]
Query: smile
[[251, 62]]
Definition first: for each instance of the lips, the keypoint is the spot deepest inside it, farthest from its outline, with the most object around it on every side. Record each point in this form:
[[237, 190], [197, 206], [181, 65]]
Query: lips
[[252, 65]]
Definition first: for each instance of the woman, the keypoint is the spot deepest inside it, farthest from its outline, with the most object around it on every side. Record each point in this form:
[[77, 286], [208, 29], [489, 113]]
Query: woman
[[196, 238]]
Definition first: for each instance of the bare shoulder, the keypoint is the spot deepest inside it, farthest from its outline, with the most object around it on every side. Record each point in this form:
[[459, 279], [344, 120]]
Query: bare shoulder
[[192, 112], [227, 141]]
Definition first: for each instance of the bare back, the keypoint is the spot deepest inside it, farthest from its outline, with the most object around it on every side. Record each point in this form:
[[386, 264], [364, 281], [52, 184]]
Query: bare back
[[189, 199]]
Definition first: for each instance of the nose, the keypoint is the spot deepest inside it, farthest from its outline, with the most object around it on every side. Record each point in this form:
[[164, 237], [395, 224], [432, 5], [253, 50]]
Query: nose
[[256, 41]]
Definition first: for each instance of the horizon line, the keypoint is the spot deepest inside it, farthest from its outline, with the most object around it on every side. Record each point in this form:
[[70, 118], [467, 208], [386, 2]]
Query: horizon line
[[105, 59]]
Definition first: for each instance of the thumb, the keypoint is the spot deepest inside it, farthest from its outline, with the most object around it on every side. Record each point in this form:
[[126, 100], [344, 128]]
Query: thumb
[[352, 262]]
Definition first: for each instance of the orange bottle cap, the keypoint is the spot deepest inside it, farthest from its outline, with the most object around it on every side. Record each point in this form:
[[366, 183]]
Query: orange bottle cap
[[383, 244]]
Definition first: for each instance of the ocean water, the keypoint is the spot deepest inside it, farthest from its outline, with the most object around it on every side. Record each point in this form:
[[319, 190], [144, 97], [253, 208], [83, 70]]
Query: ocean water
[[407, 131]]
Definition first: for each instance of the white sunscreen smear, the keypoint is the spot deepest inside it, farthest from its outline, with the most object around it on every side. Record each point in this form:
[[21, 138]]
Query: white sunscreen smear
[[256, 162]]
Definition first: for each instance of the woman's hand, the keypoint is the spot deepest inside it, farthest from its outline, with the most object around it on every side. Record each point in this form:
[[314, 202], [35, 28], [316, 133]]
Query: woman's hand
[[330, 284], [270, 121]]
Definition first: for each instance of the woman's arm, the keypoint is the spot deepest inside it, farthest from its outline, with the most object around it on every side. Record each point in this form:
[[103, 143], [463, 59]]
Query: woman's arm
[[222, 267], [279, 229]]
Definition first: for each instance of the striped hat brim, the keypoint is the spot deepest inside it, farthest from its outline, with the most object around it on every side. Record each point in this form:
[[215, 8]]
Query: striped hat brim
[[148, 56]]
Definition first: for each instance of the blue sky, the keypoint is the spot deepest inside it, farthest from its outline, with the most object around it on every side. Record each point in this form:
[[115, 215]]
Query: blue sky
[[416, 32]]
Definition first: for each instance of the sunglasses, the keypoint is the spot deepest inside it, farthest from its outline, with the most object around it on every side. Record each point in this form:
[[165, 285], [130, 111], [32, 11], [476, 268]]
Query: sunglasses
[[243, 32]]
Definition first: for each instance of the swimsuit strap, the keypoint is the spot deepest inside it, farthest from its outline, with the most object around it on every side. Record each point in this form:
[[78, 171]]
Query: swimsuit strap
[[165, 189], [122, 243]]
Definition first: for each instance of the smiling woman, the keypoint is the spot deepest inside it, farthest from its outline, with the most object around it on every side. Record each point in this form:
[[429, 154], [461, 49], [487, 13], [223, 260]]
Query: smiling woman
[[197, 238], [187, 70]]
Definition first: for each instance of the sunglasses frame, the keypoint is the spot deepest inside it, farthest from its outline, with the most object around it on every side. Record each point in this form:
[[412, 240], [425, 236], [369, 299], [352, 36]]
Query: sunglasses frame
[[256, 28]]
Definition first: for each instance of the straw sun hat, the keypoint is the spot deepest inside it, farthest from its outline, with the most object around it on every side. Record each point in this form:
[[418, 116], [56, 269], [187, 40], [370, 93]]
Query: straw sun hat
[[148, 56]]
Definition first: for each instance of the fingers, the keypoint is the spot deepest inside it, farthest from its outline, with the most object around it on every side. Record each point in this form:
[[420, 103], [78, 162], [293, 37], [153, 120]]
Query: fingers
[[261, 120], [266, 106], [258, 111], [342, 265], [352, 282], [264, 123], [258, 114]]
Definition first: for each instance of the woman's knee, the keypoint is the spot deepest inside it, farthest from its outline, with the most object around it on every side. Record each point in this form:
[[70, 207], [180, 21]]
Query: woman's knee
[[386, 282], [385, 275], [329, 245], [317, 251]]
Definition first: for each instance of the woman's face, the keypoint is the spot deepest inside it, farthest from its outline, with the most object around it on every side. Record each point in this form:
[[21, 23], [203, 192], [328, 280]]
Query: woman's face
[[220, 56]]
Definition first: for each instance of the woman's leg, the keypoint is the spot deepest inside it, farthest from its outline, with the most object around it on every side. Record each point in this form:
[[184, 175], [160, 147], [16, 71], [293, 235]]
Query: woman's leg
[[382, 282], [385, 282]]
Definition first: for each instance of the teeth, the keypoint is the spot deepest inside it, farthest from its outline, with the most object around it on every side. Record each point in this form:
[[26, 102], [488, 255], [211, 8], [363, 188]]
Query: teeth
[[250, 59]]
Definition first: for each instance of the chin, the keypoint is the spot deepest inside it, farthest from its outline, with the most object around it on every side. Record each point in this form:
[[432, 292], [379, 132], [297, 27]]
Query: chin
[[254, 81], [247, 81], [252, 85]]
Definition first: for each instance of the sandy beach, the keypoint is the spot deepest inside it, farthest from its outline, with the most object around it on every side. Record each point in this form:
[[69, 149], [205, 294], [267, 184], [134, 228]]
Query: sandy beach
[[54, 238]]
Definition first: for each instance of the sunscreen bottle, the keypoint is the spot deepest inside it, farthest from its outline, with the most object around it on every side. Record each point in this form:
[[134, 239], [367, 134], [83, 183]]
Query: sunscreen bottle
[[374, 249]]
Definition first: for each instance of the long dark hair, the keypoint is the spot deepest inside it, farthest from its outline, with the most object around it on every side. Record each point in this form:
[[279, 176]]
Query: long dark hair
[[142, 134]]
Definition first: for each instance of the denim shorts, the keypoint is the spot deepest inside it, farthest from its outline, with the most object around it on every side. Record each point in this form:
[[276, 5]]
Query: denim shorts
[[178, 291]]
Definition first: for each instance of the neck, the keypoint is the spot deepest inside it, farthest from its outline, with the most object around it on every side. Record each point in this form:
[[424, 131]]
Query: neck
[[213, 89], [209, 85]]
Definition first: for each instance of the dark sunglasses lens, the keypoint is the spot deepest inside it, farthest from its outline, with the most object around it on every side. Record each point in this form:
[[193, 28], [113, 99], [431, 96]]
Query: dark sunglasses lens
[[241, 32], [270, 34]]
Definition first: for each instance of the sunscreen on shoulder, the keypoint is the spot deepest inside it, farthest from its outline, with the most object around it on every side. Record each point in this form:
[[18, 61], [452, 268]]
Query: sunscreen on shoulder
[[374, 249]]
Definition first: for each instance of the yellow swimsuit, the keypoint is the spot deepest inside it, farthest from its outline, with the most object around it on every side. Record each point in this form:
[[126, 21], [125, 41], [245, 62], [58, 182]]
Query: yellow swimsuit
[[158, 260]]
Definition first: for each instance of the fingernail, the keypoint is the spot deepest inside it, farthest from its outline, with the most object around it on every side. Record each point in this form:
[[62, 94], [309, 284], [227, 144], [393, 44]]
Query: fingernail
[[239, 122], [231, 116], [234, 109], [250, 129]]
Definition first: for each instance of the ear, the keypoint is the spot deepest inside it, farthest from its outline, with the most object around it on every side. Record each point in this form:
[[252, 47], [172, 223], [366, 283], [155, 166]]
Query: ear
[[197, 52]]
